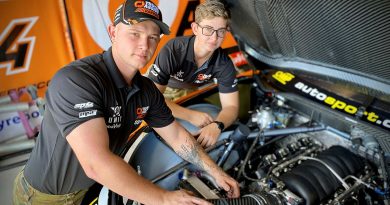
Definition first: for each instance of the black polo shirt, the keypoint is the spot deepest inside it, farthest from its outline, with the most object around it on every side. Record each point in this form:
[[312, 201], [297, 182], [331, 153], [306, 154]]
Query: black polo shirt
[[175, 67], [89, 88]]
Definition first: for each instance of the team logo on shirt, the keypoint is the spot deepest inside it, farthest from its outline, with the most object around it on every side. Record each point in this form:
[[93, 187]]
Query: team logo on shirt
[[81, 106], [234, 83], [88, 113], [156, 68], [141, 112], [202, 77], [178, 76], [117, 111], [115, 121]]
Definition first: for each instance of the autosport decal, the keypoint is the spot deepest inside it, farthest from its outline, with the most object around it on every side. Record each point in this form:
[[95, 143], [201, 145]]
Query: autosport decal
[[292, 83]]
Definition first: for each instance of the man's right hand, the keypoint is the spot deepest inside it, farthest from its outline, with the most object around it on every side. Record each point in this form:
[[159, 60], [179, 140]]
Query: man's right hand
[[182, 197], [200, 119]]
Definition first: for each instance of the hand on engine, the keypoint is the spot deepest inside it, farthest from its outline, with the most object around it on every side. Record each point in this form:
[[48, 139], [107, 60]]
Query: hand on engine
[[228, 184], [208, 135], [200, 119]]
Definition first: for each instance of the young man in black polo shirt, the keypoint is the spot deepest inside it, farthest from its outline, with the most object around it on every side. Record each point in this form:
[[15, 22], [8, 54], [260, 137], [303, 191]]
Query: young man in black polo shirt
[[93, 104], [192, 61]]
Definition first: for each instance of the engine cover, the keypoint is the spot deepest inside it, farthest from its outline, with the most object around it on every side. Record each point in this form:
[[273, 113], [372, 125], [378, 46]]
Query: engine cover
[[315, 180]]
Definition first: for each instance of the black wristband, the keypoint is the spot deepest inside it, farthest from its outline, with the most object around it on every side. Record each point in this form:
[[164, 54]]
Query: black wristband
[[220, 125]]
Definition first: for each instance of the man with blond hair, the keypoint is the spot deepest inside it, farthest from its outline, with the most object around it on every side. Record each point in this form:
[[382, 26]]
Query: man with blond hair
[[192, 61], [92, 107]]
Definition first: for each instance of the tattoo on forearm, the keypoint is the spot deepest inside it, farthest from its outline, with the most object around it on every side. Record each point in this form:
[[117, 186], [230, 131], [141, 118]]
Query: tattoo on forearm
[[190, 151]]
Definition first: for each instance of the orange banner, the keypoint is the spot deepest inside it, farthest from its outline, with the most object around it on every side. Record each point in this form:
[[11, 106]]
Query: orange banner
[[33, 43], [89, 21]]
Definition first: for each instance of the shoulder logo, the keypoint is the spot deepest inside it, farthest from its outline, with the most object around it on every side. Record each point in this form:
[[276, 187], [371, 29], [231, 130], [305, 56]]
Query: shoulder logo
[[87, 113], [234, 83], [155, 70], [16, 48], [81, 106]]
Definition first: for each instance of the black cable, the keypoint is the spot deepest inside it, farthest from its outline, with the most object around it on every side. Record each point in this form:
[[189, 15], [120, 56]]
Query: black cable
[[249, 154]]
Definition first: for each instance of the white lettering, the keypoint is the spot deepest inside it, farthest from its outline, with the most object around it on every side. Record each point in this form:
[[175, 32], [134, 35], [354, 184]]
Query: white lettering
[[83, 105], [321, 96], [299, 85], [137, 122], [386, 123], [306, 89], [87, 113], [177, 78], [314, 92], [16, 120], [156, 68], [114, 126], [154, 73], [114, 119], [151, 6]]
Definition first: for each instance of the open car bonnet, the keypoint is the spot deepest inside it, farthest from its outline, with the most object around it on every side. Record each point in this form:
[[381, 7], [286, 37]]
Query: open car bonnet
[[348, 40], [335, 52]]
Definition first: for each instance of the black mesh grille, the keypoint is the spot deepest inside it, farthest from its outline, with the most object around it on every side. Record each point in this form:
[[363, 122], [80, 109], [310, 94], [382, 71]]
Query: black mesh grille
[[349, 34]]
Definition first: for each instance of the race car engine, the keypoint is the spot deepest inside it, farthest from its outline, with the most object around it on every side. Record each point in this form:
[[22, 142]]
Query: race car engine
[[310, 165], [281, 156]]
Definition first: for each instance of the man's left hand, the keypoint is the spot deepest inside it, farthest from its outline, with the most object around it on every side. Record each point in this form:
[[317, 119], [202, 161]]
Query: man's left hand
[[208, 135]]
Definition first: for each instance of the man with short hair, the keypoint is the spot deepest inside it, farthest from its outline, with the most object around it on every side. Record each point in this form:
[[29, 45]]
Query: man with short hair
[[188, 62], [93, 104]]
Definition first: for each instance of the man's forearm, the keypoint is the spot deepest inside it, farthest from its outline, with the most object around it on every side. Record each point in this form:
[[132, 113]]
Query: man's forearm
[[230, 106], [177, 110], [192, 152], [228, 115]]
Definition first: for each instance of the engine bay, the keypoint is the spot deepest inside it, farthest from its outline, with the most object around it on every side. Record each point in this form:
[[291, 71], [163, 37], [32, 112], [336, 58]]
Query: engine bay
[[305, 171], [316, 167], [281, 155]]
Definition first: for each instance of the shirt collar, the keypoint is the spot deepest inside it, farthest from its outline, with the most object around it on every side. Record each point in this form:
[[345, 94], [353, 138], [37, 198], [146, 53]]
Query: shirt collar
[[113, 69], [116, 75], [191, 52]]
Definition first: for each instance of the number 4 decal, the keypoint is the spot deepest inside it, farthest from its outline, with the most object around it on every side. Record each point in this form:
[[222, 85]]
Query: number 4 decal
[[15, 48]]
